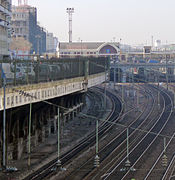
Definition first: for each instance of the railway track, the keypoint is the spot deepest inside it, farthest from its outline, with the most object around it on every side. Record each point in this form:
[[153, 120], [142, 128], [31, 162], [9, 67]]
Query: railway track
[[87, 167], [162, 166], [140, 149], [84, 144], [120, 142]]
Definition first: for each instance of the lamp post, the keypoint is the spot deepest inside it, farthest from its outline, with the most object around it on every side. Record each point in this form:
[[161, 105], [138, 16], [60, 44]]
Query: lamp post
[[70, 11]]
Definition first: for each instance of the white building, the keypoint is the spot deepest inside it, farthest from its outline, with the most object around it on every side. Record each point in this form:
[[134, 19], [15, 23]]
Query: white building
[[5, 32], [75, 49], [157, 43]]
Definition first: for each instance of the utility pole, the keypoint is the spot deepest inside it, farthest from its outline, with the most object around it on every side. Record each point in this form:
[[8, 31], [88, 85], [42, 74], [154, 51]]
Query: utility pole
[[70, 11], [114, 73], [58, 161], [29, 141], [97, 158], [4, 120], [166, 71], [127, 163]]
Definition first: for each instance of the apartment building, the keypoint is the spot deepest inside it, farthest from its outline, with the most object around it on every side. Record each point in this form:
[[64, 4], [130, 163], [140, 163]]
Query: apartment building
[[51, 43], [5, 31], [24, 23]]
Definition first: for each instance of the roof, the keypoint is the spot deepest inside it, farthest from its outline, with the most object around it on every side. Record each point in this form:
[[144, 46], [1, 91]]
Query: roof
[[84, 45]]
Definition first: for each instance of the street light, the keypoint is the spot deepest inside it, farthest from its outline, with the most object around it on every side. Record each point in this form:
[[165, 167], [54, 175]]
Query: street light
[[70, 11]]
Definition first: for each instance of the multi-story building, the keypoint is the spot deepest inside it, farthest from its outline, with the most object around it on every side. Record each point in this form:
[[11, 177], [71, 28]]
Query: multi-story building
[[51, 43], [24, 23], [5, 16]]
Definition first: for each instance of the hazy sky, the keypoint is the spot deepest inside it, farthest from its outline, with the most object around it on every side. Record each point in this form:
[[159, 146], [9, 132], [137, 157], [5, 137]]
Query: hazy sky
[[134, 21]]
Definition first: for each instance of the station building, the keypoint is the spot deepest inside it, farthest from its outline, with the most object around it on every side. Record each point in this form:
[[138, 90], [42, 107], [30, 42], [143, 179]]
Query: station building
[[94, 49]]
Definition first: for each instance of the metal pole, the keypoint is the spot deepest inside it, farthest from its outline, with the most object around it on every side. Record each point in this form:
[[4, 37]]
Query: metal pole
[[127, 143], [127, 163], [114, 74], [118, 74], [97, 159], [158, 93], [58, 161], [164, 144], [4, 126], [123, 93], [105, 88], [137, 98], [174, 99], [166, 73], [96, 136], [29, 145]]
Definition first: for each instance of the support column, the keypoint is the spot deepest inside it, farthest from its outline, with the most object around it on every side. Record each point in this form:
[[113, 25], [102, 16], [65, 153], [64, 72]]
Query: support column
[[16, 142], [0, 146], [36, 130]]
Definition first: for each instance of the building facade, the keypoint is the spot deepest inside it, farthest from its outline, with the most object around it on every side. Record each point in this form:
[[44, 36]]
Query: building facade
[[51, 43], [24, 24], [5, 17], [72, 50]]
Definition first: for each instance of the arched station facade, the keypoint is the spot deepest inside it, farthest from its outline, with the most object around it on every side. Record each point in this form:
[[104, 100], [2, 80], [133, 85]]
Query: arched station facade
[[85, 49]]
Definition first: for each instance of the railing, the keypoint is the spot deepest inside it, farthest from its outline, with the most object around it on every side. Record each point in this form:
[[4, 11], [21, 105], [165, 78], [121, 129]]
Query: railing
[[21, 72]]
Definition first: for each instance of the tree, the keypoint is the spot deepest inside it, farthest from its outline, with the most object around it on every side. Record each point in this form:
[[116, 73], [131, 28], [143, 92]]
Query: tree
[[20, 44]]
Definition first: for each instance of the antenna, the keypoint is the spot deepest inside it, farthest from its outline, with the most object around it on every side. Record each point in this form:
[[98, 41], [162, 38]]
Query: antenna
[[70, 11]]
